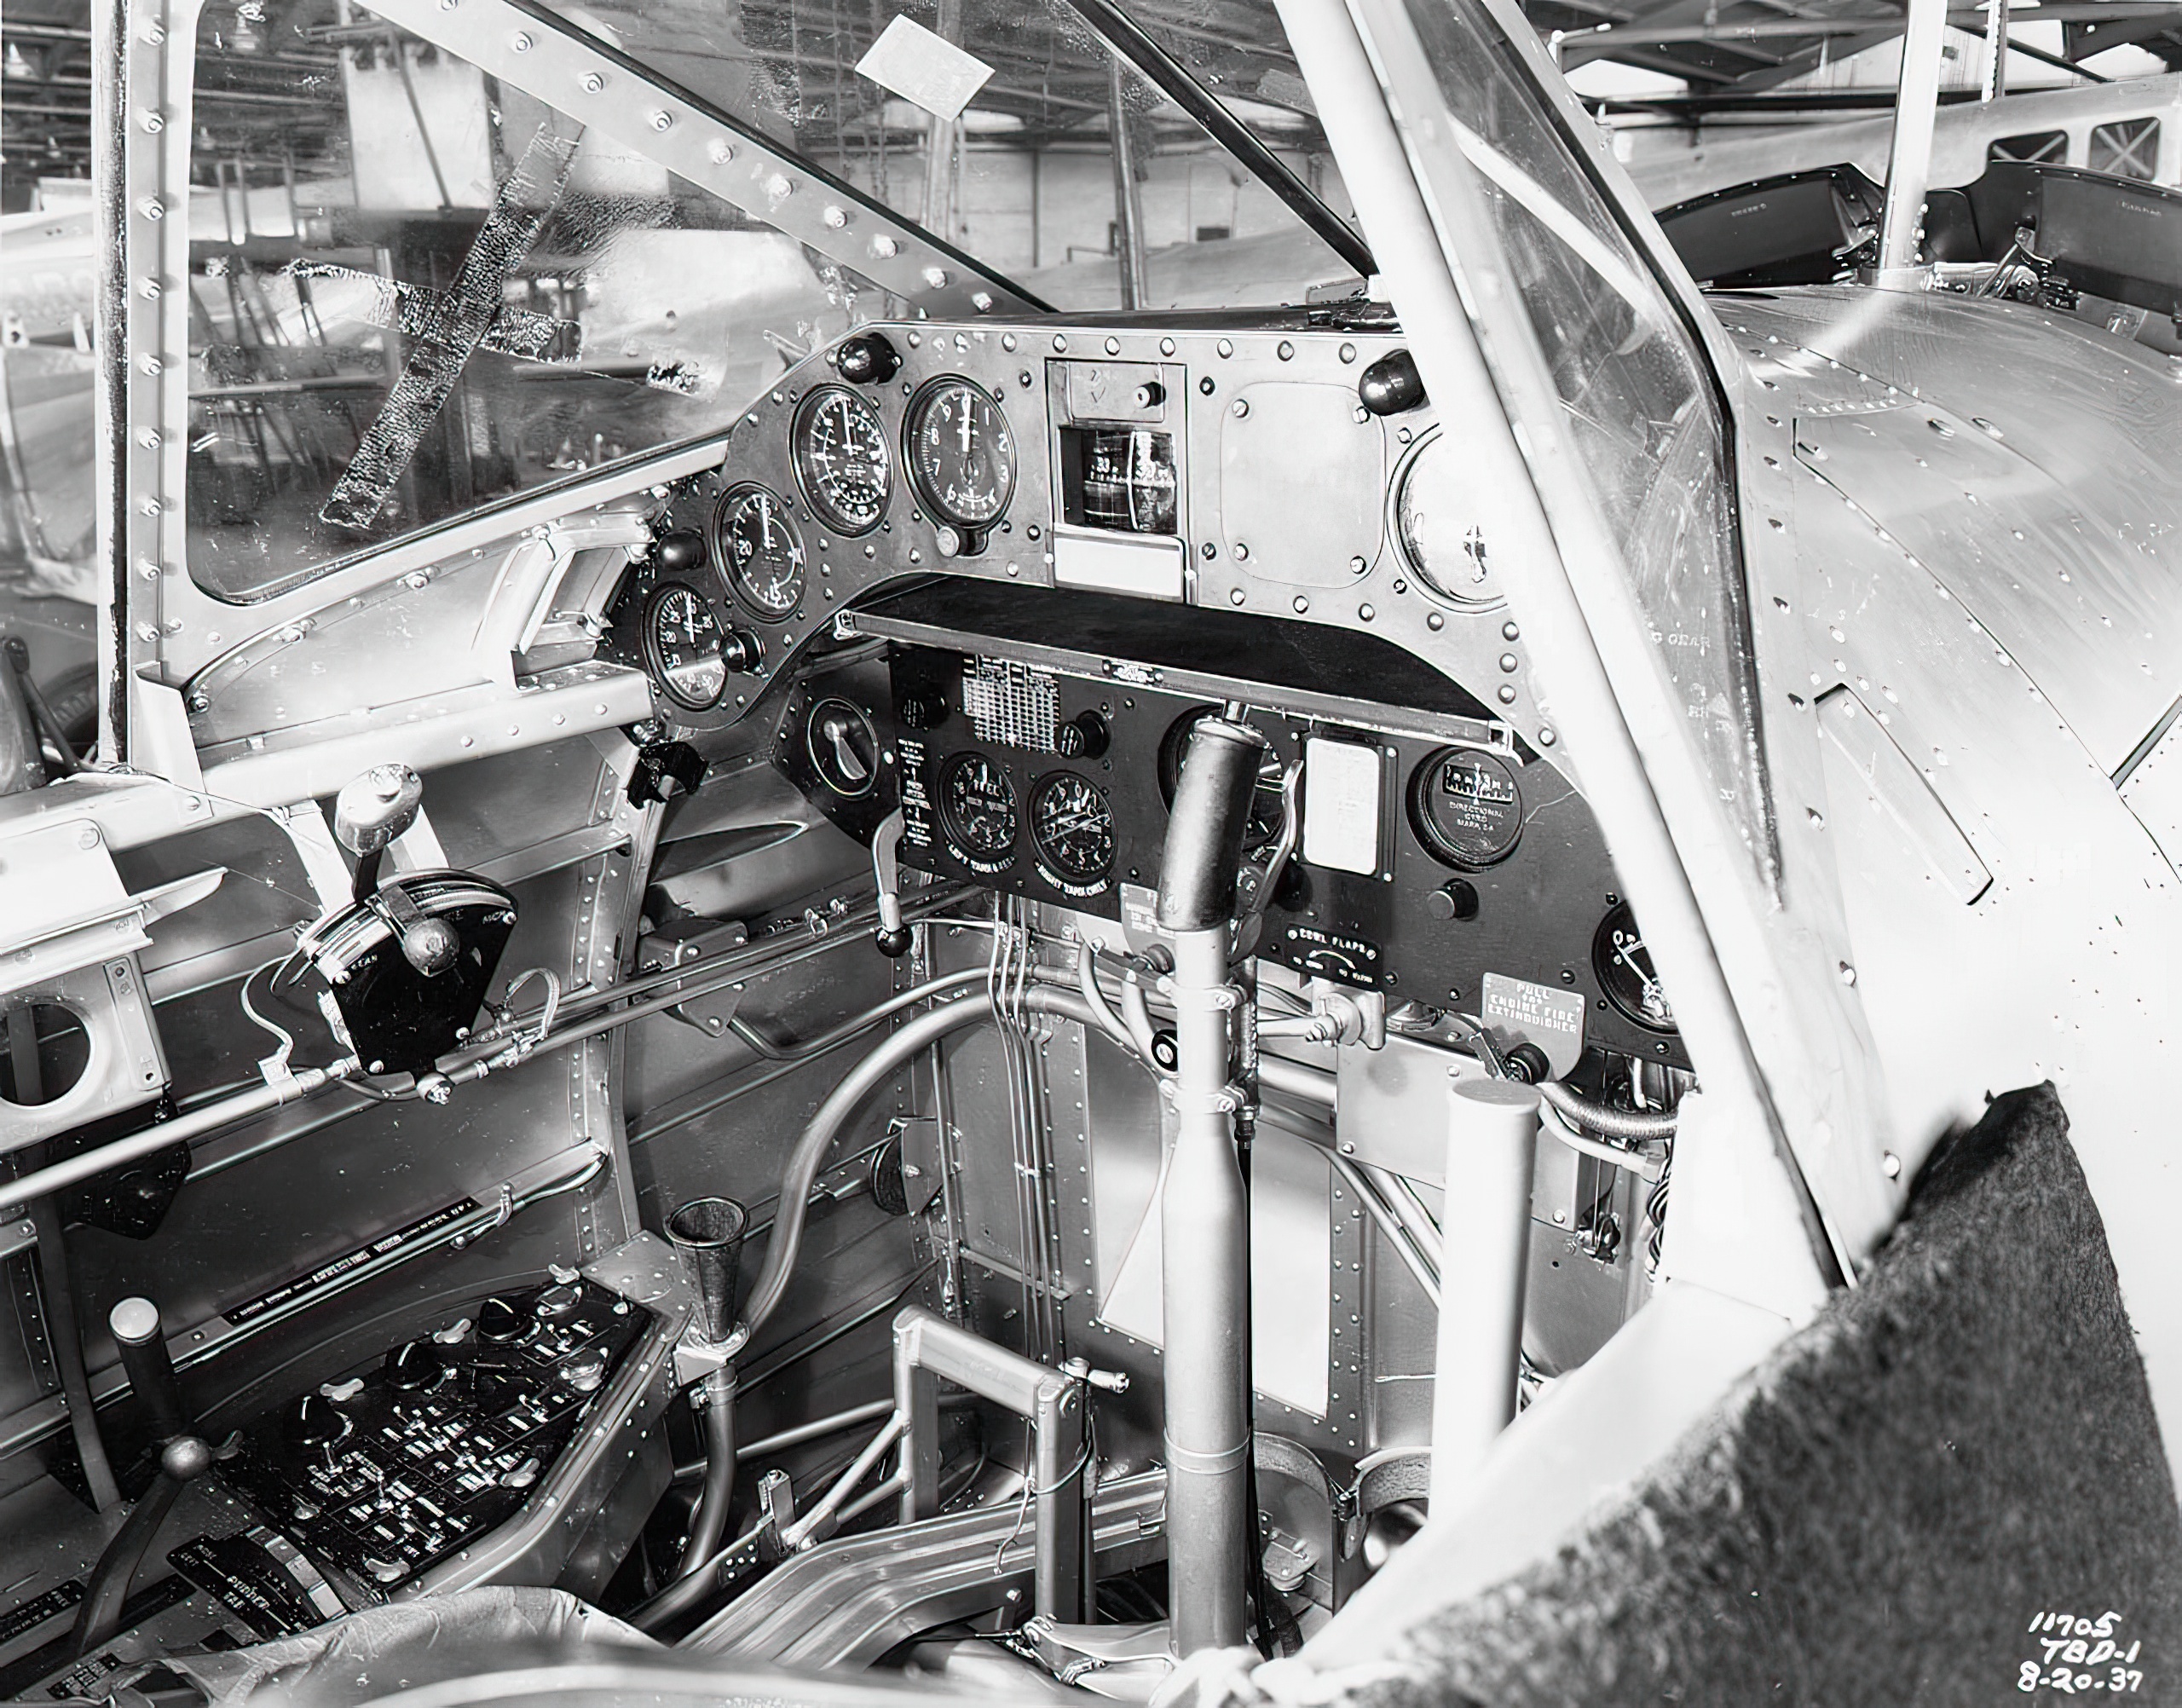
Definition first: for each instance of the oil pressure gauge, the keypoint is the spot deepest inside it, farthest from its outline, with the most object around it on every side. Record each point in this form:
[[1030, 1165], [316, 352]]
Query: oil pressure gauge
[[682, 647], [1625, 971]]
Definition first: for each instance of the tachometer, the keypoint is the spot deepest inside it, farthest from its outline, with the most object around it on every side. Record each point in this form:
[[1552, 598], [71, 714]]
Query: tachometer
[[1466, 807], [977, 808], [757, 539], [960, 453], [841, 459], [1439, 537], [1623, 966], [681, 646], [1072, 825]]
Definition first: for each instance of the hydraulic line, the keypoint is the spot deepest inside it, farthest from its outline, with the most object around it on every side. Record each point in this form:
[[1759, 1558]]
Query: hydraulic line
[[1614, 1123], [867, 1076], [708, 1524]]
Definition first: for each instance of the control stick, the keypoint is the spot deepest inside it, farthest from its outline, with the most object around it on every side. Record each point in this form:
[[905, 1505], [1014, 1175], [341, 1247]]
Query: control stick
[[1204, 1216], [183, 1458], [892, 936]]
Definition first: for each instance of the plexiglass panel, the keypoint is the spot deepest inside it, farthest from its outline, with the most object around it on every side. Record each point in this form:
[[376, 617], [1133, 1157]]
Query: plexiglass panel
[[1637, 401], [414, 291]]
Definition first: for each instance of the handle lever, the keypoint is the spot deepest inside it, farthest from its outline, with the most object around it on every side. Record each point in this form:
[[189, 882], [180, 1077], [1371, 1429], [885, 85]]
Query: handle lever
[[892, 936]]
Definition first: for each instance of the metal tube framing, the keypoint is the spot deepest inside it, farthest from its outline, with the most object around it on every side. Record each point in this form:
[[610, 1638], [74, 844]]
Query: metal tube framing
[[1909, 161], [1491, 1149], [929, 1348], [1205, 1291], [1129, 205]]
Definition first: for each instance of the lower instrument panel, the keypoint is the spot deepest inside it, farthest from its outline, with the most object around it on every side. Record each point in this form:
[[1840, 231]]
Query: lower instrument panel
[[1427, 853]]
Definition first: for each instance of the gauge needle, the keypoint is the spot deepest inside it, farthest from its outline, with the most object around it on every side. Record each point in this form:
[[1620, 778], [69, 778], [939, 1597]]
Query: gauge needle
[[1621, 954], [966, 431]]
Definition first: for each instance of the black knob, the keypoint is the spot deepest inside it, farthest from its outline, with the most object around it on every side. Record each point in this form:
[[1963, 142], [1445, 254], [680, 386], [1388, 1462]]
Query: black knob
[[682, 550], [1391, 384], [1453, 901], [1150, 395], [312, 1420], [1083, 737], [1167, 1048], [740, 650], [414, 1367], [894, 943], [867, 359], [499, 1320], [1526, 1063]]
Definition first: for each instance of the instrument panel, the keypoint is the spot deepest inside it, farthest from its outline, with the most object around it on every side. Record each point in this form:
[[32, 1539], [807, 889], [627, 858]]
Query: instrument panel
[[1417, 866]]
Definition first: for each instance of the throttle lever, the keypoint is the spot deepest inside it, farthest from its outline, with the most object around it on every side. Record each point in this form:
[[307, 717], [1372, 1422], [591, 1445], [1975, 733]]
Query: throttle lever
[[892, 936]]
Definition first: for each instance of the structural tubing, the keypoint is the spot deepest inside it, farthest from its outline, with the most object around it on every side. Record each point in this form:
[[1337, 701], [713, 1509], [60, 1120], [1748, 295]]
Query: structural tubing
[[1484, 1256], [1205, 1292]]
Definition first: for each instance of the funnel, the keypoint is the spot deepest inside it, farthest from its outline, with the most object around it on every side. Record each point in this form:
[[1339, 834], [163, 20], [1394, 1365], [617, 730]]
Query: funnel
[[709, 1234]]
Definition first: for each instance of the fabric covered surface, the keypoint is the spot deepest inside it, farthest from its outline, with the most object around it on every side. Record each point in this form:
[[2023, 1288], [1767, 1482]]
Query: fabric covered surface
[[1880, 1511], [375, 1653]]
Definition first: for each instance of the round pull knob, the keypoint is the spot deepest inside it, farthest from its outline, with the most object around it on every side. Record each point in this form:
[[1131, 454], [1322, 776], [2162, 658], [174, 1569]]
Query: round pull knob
[[1453, 901], [681, 552], [412, 1368], [867, 359], [1150, 395], [314, 1421], [499, 1320], [430, 946]]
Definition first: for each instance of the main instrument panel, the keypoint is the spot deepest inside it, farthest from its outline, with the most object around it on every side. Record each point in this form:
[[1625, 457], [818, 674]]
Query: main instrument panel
[[1095, 535]]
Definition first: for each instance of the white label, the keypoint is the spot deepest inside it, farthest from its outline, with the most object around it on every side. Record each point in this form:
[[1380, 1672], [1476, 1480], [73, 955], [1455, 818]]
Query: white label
[[1151, 569], [1516, 1011], [923, 68], [1340, 805]]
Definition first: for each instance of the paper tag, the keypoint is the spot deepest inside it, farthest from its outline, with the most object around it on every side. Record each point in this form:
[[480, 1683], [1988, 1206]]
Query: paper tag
[[1341, 807], [1515, 1012], [924, 68]]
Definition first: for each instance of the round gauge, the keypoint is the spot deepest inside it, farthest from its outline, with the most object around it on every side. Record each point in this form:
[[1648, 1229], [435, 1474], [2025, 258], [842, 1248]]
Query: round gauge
[[757, 539], [1266, 811], [843, 747], [681, 646], [977, 806], [1623, 966], [1440, 536], [961, 453], [841, 461], [1073, 827], [1466, 808]]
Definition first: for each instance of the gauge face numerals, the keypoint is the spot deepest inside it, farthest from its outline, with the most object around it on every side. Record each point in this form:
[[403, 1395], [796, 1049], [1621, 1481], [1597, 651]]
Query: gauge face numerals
[[842, 460], [1072, 828], [976, 810], [960, 453], [681, 646], [758, 543], [1466, 808], [1624, 967]]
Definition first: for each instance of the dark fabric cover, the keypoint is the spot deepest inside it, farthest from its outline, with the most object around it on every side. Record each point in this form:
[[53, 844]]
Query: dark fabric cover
[[1878, 1513]]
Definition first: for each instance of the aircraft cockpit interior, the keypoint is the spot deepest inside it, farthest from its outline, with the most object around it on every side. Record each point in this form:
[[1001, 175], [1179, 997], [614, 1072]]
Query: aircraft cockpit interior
[[802, 919]]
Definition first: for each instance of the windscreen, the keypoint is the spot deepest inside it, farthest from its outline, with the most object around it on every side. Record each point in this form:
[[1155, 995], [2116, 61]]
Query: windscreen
[[415, 291], [993, 123], [1638, 402]]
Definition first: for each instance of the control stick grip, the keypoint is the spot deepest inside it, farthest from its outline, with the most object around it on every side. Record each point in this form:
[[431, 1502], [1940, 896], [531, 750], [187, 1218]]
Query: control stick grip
[[1206, 825], [892, 936], [141, 1338]]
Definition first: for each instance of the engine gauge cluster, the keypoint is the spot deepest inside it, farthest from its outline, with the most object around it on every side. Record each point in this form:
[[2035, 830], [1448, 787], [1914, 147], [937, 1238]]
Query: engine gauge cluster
[[977, 812], [1072, 828]]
